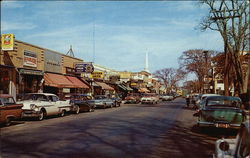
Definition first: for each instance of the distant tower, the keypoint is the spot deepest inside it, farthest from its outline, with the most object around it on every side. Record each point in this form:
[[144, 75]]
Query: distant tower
[[70, 52], [146, 63]]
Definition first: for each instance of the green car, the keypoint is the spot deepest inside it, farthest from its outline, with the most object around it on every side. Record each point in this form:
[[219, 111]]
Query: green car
[[221, 112]]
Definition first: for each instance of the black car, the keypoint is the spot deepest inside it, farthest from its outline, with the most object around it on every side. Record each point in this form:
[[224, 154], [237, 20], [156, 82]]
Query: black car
[[81, 102]]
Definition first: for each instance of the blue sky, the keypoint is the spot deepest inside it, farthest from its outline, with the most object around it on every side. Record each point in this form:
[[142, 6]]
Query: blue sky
[[124, 30]]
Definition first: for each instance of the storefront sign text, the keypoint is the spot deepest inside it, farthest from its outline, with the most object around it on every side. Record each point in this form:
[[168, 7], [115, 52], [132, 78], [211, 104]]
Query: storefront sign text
[[30, 59], [7, 42]]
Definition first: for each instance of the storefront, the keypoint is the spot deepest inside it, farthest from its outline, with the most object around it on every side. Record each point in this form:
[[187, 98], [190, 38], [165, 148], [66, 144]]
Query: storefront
[[101, 88], [8, 80], [29, 81], [60, 84]]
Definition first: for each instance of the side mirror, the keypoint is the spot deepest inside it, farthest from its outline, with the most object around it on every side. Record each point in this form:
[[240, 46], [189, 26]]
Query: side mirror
[[224, 146]]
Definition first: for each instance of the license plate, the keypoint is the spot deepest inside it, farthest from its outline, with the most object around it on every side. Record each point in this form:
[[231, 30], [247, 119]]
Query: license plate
[[220, 125]]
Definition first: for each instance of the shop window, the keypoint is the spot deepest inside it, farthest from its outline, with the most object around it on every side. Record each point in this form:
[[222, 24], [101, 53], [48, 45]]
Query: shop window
[[4, 82]]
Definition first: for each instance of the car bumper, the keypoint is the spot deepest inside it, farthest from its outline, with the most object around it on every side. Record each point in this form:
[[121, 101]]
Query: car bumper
[[30, 113], [147, 101], [218, 125]]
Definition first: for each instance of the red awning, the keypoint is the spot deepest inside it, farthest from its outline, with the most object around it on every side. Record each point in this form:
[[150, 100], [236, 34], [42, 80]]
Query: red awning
[[76, 82], [56, 80], [105, 86]]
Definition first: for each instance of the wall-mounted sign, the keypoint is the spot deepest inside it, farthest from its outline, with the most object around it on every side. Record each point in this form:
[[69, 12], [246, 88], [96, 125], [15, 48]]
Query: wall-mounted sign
[[97, 75], [29, 59], [84, 67], [7, 41], [52, 62]]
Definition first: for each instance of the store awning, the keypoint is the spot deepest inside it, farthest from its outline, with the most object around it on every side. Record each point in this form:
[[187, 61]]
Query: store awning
[[76, 82], [143, 90], [56, 80], [129, 89], [122, 87], [105, 86]]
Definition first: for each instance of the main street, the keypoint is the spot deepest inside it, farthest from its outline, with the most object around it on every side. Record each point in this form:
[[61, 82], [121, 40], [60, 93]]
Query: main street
[[132, 130]]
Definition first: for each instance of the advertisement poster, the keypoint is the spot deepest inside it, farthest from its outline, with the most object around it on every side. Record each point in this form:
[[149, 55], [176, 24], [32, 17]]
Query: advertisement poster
[[7, 42], [29, 59]]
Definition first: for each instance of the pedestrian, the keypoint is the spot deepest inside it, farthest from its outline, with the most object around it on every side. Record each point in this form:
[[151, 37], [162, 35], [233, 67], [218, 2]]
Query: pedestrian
[[187, 100]]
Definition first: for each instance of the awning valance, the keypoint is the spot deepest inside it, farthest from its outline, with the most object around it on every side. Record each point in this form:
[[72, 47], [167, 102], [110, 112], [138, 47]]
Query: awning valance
[[105, 86], [76, 82], [56, 80]]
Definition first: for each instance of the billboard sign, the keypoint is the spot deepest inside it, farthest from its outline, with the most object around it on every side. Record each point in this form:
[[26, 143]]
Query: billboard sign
[[7, 42], [53, 62], [86, 67], [97, 75], [29, 59]]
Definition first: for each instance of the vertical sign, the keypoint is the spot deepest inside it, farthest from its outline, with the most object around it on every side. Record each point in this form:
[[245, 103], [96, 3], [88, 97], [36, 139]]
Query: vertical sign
[[7, 41]]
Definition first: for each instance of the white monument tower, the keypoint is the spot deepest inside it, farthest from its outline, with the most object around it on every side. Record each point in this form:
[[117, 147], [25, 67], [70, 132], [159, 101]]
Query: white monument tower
[[146, 63]]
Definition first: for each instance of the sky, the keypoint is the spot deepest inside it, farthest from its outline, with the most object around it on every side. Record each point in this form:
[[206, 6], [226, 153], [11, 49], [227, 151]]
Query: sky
[[115, 34]]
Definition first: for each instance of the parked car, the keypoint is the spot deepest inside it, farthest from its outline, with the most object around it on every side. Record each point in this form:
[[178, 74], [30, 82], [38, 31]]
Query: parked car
[[151, 98], [133, 98], [102, 101], [235, 148], [117, 100], [9, 109], [40, 105], [81, 102], [200, 100], [166, 97], [221, 112]]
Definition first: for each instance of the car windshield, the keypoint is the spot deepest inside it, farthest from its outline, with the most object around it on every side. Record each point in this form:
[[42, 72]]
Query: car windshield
[[223, 101], [35, 97], [7, 101]]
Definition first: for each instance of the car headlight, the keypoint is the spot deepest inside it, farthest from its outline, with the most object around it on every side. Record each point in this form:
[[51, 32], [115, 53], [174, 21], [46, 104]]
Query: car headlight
[[33, 106]]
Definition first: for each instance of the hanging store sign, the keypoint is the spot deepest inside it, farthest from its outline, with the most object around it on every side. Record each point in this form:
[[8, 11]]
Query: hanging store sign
[[7, 42], [97, 75], [29, 59], [86, 67]]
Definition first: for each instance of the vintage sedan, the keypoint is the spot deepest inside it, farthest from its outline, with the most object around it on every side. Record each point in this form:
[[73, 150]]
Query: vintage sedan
[[9, 109], [235, 148], [40, 105], [151, 98], [133, 98], [81, 102], [102, 101], [221, 112]]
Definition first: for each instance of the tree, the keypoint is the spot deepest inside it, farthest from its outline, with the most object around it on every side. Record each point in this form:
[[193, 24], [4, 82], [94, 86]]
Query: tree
[[231, 20], [170, 77], [197, 61]]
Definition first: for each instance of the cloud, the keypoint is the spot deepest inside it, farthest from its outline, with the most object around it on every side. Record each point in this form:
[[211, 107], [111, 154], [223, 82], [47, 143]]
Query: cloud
[[9, 26]]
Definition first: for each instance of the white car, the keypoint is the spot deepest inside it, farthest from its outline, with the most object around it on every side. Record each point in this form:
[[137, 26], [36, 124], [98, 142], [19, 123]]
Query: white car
[[167, 98], [150, 98], [235, 148], [40, 105]]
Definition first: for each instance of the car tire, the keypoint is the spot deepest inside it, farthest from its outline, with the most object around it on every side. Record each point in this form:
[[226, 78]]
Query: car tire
[[62, 113], [8, 121], [41, 115], [77, 109]]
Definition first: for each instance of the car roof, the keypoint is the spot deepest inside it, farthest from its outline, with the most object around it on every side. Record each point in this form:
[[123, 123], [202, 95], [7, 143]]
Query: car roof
[[5, 96], [43, 93], [204, 95], [223, 97]]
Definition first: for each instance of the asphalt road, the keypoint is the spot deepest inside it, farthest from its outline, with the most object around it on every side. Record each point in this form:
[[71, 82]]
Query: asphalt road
[[130, 131]]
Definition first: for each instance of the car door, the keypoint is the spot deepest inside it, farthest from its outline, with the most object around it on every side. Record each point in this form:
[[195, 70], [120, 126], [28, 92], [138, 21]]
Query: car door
[[52, 109]]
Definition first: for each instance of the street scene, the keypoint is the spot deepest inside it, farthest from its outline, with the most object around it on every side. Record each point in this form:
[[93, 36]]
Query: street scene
[[132, 79]]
